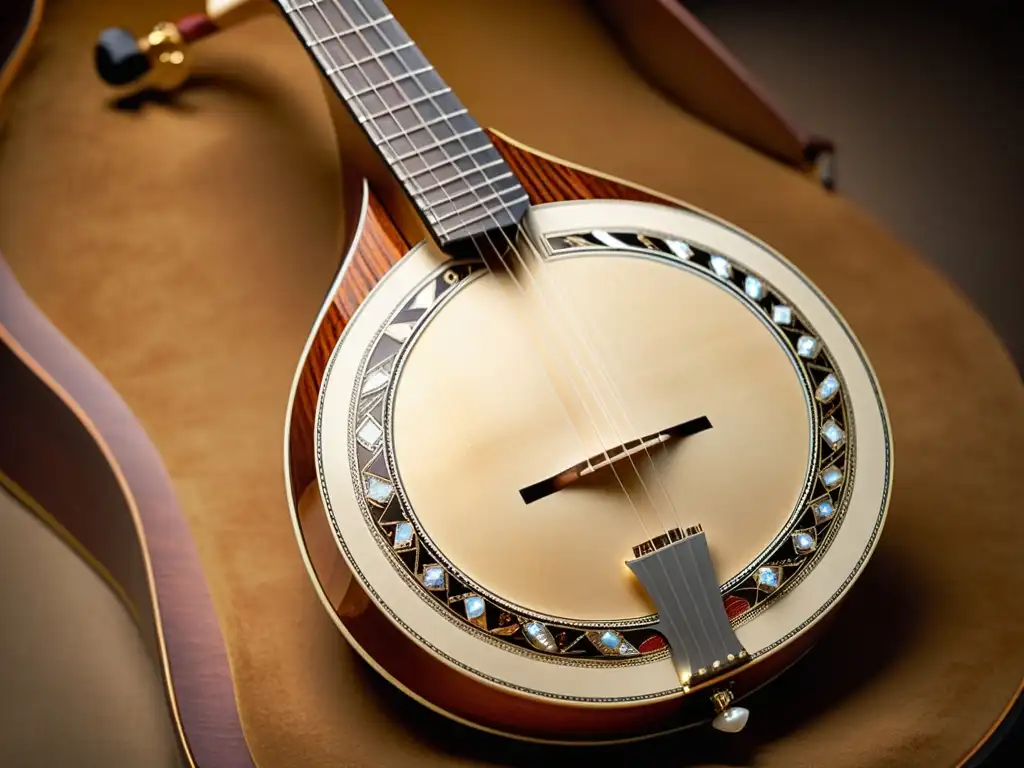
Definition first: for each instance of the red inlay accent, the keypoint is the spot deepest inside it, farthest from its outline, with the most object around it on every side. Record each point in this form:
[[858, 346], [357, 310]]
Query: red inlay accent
[[195, 27], [652, 644], [735, 606]]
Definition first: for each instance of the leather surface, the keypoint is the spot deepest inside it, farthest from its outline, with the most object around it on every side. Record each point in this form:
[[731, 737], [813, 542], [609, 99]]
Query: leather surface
[[97, 702], [185, 248]]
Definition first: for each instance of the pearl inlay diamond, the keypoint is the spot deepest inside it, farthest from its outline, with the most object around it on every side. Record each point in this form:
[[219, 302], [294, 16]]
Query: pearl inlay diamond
[[611, 639], [681, 250], [827, 389], [369, 433], [831, 477], [768, 578], [378, 490], [721, 266], [807, 347], [374, 380], [540, 637], [605, 239], [833, 434], [403, 535], [754, 288], [804, 542], [400, 331], [433, 577], [474, 606], [823, 511], [782, 314]]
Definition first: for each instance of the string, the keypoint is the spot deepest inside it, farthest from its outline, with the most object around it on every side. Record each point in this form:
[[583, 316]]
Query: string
[[498, 196], [337, 34], [357, 29]]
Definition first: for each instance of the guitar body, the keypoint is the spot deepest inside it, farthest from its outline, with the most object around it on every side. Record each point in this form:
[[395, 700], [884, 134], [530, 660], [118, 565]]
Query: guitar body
[[74, 455]]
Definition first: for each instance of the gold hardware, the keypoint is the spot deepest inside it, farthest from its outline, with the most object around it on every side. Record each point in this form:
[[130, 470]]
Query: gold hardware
[[721, 699], [577, 241], [451, 277], [648, 243], [165, 49]]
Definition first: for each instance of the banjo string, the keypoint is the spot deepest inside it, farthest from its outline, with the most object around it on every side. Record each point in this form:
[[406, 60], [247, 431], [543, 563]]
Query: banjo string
[[509, 242]]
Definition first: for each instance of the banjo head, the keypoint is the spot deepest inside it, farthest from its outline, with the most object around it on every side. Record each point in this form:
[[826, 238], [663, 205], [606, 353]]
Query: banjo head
[[491, 448]]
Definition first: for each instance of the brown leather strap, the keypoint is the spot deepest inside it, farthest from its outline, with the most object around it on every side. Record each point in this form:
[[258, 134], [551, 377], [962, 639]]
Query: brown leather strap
[[679, 55]]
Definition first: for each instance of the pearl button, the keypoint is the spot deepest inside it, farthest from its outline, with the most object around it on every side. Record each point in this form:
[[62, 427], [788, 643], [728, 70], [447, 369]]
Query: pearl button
[[731, 720]]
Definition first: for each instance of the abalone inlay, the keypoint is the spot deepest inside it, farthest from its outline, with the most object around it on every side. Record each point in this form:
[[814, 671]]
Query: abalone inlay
[[805, 539]]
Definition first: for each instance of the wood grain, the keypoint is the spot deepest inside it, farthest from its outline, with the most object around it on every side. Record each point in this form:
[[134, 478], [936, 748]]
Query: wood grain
[[379, 246]]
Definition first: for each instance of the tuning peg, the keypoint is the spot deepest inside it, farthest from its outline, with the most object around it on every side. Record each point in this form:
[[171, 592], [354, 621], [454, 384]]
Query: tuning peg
[[158, 60]]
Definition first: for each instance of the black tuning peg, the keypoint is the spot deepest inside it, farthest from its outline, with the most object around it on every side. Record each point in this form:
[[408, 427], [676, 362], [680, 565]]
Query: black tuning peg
[[119, 58]]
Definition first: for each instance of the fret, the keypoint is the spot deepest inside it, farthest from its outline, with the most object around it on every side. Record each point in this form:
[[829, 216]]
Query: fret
[[438, 144], [339, 34], [448, 162], [456, 187], [392, 81], [370, 59], [406, 105], [419, 127], [480, 201], [428, 124], [467, 189], [459, 176], [487, 214]]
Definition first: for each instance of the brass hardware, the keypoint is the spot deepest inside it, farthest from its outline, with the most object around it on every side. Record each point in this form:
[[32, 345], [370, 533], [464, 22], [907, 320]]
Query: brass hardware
[[166, 51], [721, 699], [648, 243]]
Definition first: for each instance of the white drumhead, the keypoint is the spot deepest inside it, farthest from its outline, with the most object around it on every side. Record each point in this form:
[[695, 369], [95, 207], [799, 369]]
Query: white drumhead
[[606, 343]]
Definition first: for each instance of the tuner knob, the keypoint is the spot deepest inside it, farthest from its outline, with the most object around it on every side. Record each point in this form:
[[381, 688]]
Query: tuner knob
[[119, 57], [159, 57], [729, 719]]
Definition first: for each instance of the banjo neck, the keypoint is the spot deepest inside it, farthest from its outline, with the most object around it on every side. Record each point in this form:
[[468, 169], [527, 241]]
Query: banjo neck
[[461, 187]]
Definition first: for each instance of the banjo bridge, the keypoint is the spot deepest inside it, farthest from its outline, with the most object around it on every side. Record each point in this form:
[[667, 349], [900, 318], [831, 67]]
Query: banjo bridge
[[676, 570]]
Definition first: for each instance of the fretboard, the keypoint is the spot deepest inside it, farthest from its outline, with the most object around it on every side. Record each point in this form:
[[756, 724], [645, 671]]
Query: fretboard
[[448, 166]]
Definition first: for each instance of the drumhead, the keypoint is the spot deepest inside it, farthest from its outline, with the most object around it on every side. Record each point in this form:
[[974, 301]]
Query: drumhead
[[453, 389]]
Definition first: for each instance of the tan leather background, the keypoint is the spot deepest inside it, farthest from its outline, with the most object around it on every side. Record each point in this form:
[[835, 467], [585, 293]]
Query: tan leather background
[[185, 248]]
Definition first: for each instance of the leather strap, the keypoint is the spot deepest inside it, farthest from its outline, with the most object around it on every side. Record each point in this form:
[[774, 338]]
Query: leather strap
[[679, 55]]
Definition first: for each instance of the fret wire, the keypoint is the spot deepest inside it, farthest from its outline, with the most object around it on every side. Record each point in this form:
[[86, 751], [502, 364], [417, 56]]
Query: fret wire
[[461, 175], [397, 70], [408, 103], [473, 188], [437, 144], [448, 161], [350, 31], [368, 59], [390, 81], [435, 121], [478, 201], [487, 214]]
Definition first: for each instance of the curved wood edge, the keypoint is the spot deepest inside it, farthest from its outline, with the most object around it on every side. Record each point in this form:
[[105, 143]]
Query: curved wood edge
[[676, 53], [16, 58], [81, 455]]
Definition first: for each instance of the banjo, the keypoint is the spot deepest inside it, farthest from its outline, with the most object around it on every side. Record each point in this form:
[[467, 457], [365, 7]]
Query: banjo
[[567, 460]]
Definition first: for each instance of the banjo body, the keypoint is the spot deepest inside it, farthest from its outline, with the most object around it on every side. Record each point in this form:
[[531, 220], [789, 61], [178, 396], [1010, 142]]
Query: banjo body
[[432, 393]]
